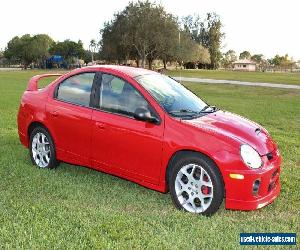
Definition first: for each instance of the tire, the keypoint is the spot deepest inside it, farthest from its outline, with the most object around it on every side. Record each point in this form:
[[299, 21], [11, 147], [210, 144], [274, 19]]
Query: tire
[[42, 149], [196, 184]]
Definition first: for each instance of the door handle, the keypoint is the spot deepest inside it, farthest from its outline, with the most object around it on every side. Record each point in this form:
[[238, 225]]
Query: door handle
[[54, 113], [100, 125]]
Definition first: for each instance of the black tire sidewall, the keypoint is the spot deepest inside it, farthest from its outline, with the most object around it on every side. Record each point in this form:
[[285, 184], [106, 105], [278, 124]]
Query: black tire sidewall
[[53, 162], [210, 167]]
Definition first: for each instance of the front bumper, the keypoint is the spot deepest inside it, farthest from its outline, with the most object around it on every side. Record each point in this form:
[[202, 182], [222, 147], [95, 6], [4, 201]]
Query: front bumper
[[240, 194]]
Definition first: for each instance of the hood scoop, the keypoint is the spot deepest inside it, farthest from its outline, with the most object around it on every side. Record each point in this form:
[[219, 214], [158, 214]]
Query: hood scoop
[[257, 131]]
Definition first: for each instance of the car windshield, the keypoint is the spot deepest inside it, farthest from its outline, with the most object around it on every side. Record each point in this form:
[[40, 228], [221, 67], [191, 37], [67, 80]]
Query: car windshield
[[172, 96]]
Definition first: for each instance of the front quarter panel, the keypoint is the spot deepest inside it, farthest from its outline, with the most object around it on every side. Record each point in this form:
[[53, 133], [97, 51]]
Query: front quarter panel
[[180, 136]]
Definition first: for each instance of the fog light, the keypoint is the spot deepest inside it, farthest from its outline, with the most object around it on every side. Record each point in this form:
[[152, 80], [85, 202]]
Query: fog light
[[256, 185]]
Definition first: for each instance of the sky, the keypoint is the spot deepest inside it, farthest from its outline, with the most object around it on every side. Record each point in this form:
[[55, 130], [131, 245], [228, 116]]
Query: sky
[[266, 27]]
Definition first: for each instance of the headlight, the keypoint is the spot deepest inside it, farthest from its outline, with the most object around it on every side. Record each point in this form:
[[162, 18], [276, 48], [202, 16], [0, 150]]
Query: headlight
[[250, 156]]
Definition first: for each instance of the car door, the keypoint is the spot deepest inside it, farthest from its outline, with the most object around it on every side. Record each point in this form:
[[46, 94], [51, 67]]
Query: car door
[[70, 117], [121, 144]]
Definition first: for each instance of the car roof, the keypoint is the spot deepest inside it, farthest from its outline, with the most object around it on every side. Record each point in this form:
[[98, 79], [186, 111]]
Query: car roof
[[130, 71]]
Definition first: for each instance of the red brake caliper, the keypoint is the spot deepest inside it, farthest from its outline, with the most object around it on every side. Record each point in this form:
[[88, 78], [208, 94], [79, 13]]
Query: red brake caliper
[[205, 189]]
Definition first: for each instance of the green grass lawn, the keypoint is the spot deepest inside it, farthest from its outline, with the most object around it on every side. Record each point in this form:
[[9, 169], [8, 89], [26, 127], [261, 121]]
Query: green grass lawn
[[285, 78], [76, 207]]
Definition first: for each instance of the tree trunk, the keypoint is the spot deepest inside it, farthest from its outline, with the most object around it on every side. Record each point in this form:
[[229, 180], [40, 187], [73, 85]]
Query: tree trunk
[[25, 65], [143, 61], [137, 60], [144, 57], [165, 64], [150, 63]]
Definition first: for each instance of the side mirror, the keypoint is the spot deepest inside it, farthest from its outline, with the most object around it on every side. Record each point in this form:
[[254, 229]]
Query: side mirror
[[143, 114]]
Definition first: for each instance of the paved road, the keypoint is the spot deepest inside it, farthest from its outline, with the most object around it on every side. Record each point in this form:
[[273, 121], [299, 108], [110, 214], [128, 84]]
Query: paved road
[[9, 69], [261, 84]]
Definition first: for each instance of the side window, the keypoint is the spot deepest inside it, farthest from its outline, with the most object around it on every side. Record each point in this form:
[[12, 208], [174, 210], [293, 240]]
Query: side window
[[76, 89], [117, 85], [120, 97]]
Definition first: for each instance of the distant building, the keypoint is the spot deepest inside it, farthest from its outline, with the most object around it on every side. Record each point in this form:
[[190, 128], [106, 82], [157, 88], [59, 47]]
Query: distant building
[[244, 65]]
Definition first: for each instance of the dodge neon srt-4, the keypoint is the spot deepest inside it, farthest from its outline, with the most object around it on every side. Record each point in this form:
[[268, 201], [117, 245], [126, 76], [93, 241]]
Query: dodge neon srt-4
[[146, 127]]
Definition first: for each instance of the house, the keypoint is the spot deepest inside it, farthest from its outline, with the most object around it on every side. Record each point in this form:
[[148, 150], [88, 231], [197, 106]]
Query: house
[[244, 65]]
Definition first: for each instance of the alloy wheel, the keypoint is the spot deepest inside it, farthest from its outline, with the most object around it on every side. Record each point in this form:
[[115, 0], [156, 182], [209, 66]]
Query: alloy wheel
[[194, 188], [41, 150]]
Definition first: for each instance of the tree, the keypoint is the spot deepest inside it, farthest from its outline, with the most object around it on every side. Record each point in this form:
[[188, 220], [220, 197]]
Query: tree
[[68, 49], [203, 55], [186, 50], [87, 56], [167, 40], [282, 62], [228, 58], [93, 48], [41, 44], [114, 44], [260, 61], [12, 51], [2, 58], [207, 33], [258, 58], [288, 63], [143, 20], [215, 37], [28, 49], [245, 55], [143, 31]]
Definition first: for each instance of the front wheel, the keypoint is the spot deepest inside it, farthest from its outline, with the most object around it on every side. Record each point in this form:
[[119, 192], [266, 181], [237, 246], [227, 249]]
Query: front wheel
[[42, 149], [196, 185]]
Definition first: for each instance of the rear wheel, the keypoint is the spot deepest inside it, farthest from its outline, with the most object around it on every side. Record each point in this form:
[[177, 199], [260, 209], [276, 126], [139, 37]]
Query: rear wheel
[[42, 149], [196, 184]]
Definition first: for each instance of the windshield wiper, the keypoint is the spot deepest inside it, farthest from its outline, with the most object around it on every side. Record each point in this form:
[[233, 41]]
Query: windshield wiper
[[192, 113], [183, 112]]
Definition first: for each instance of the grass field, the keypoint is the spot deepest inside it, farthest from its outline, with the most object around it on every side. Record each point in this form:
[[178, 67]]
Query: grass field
[[285, 78], [73, 207]]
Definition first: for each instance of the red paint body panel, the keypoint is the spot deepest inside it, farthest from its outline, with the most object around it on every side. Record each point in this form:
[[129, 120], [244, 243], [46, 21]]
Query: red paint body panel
[[140, 151], [234, 126], [71, 129], [126, 154]]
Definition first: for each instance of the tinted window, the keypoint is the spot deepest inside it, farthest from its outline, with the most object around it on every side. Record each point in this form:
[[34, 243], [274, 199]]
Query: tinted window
[[120, 97], [117, 85], [171, 94], [76, 89]]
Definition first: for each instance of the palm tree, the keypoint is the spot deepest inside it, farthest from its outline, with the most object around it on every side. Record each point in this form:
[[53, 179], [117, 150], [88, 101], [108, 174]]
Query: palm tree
[[93, 47]]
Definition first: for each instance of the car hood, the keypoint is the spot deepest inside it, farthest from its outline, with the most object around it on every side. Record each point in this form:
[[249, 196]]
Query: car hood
[[238, 128]]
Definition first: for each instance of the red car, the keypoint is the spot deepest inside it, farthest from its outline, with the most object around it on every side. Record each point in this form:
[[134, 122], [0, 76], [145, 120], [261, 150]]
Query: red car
[[146, 127]]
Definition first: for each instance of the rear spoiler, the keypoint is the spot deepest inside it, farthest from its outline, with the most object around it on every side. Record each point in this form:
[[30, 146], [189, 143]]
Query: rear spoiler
[[33, 82]]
